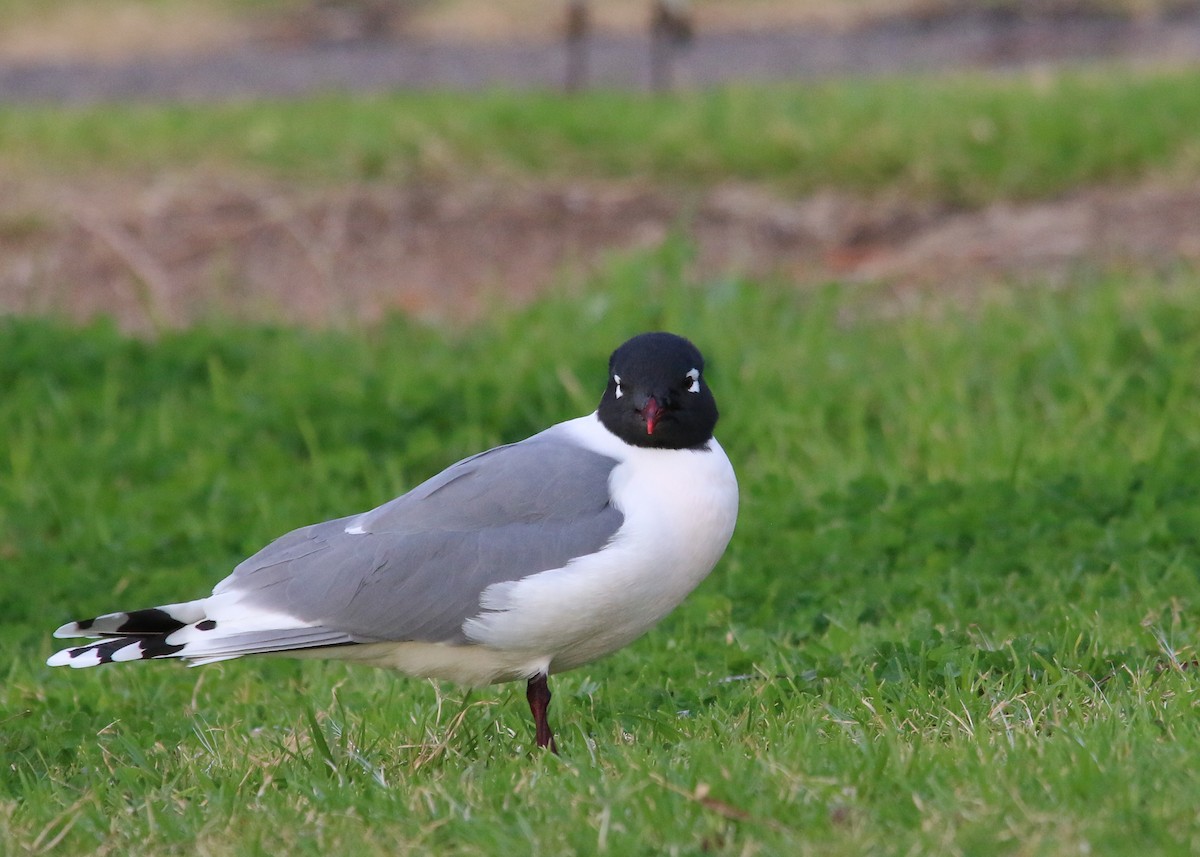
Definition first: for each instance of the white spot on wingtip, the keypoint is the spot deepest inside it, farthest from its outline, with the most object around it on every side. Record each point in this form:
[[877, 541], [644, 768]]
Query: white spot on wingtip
[[132, 652], [90, 658], [59, 659], [355, 530]]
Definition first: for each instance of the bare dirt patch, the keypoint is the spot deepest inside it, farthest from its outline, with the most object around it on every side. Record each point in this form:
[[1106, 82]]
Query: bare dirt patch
[[189, 247]]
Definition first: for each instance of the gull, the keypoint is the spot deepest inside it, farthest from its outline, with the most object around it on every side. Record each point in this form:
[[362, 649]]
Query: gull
[[528, 559]]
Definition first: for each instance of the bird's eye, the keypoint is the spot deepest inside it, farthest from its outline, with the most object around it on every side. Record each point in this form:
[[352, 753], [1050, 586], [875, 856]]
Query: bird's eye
[[617, 380], [693, 375]]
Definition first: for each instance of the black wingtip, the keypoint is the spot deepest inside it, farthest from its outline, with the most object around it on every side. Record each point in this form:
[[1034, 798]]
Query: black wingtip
[[114, 650], [151, 621]]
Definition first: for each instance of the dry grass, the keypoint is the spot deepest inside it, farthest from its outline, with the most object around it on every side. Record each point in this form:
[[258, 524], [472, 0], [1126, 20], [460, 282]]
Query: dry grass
[[110, 30], [517, 19], [65, 30], [106, 30], [191, 246]]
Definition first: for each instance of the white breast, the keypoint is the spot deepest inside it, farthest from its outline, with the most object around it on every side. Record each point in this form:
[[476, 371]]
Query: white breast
[[680, 507]]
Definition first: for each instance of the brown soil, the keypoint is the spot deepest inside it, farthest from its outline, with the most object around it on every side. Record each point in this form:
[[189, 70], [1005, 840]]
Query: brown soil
[[187, 247]]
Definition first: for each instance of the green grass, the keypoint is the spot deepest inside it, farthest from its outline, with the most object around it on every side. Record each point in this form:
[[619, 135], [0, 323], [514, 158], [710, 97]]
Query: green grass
[[961, 140], [958, 616]]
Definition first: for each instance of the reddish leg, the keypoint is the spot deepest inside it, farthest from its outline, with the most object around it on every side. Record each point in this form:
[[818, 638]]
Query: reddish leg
[[538, 694]]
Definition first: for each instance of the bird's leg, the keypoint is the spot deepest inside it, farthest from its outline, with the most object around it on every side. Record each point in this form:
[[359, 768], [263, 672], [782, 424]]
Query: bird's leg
[[538, 694]]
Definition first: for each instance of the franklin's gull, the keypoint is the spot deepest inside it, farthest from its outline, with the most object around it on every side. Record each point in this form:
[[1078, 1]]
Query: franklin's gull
[[521, 561]]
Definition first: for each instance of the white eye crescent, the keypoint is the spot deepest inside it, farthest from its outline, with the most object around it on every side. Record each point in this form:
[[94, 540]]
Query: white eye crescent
[[617, 378], [694, 374]]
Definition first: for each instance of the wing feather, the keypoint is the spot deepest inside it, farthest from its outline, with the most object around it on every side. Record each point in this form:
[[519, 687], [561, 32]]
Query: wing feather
[[414, 568]]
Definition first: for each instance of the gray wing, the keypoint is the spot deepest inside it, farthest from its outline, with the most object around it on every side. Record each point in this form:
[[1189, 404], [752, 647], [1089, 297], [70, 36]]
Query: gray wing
[[420, 563]]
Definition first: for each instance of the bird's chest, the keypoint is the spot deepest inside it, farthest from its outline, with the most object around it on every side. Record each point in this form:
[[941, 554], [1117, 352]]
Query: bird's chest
[[680, 508], [679, 516]]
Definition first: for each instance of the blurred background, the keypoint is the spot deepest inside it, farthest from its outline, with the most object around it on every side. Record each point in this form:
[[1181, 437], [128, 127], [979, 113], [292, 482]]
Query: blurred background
[[326, 161]]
